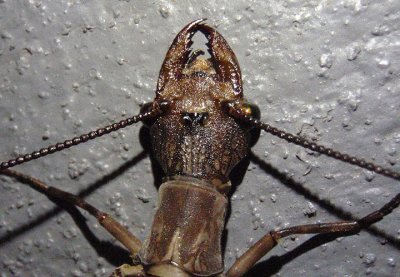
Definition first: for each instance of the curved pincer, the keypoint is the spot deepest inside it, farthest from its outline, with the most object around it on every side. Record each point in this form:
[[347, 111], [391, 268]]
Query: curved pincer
[[178, 57], [224, 58]]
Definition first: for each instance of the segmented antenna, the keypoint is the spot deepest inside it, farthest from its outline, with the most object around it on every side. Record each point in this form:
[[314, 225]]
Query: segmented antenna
[[237, 113], [78, 140]]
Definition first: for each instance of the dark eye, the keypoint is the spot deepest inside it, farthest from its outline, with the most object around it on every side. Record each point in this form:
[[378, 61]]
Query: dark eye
[[144, 109], [251, 110]]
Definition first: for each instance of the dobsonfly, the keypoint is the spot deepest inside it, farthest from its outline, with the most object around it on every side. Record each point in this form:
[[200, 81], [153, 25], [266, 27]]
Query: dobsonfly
[[201, 128]]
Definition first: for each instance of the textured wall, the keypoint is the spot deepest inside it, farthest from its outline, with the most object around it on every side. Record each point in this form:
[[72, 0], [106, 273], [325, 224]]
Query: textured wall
[[327, 70]]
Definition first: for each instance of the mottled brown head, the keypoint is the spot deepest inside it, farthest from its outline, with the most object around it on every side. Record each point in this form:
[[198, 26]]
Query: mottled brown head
[[194, 136]]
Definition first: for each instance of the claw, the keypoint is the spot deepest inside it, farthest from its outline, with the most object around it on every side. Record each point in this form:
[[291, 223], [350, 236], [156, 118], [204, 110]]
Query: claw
[[178, 56], [226, 64]]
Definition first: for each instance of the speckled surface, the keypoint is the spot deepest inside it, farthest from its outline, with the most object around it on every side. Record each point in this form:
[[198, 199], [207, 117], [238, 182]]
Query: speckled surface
[[328, 70]]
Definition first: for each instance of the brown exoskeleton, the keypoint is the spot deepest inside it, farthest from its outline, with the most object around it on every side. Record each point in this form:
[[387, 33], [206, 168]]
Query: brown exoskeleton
[[200, 127]]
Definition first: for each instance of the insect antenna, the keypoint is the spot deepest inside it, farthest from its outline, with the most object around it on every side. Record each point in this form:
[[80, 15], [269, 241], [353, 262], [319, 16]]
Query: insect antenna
[[81, 139], [237, 113]]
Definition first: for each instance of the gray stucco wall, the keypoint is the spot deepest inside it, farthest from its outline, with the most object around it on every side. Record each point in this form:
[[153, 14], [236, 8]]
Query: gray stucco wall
[[327, 70]]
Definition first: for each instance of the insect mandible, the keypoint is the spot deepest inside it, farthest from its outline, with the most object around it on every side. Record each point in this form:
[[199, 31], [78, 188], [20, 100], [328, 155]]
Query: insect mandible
[[200, 127]]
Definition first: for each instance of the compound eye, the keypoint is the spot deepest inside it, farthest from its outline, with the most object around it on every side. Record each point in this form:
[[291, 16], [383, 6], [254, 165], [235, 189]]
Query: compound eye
[[251, 110], [144, 109]]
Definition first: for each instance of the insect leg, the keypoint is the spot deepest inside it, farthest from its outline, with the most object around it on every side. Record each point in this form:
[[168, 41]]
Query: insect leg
[[132, 243], [269, 241]]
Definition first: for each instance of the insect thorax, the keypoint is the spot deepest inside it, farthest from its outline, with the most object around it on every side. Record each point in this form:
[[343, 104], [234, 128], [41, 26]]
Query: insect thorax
[[187, 228]]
